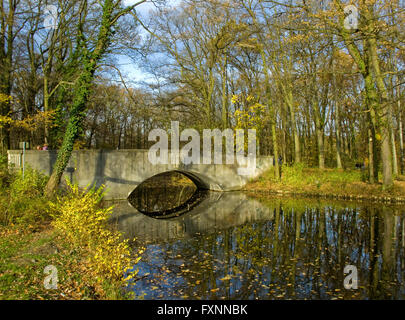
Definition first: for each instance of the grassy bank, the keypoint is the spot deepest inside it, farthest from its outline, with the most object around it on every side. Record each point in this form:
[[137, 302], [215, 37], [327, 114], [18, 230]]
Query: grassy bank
[[70, 233], [328, 183]]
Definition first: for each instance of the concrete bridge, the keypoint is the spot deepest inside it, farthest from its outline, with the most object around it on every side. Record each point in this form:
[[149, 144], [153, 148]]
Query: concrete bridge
[[123, 170]]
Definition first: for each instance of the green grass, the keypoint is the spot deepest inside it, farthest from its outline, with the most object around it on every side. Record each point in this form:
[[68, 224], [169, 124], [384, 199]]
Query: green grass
[[23, 258], [300, 175], [299, 179]]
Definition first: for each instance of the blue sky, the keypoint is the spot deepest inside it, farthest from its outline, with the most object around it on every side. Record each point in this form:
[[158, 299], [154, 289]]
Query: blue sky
[[129, 70]]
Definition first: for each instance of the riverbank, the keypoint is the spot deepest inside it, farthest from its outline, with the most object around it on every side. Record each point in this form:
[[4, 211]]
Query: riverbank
[[328, 184], [66, 242], [24, 255]]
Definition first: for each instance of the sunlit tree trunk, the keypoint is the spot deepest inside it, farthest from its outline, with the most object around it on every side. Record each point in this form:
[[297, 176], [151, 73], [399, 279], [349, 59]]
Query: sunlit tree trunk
[[370, 156], [7, 37], [225, 123], [338, 147], [386, 121], [291, 109], [319, 133], [82, 89], [401, 135], [394, 150]]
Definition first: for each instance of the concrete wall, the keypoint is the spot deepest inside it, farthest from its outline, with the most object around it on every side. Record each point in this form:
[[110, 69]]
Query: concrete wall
[[122, 170]]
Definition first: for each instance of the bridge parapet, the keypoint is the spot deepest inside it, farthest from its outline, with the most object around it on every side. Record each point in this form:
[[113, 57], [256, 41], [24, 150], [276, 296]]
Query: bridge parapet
[[123, 170]]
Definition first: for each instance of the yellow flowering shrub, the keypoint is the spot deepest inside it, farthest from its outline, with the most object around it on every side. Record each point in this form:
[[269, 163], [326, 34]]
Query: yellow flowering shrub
[[84, 223], [235, 99], [253, 117]]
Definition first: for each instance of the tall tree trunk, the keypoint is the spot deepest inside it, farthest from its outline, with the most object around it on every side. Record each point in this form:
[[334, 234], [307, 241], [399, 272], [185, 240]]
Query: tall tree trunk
[[386, 160], [225, 93], [364, 63], [394, 151], [370, 156], [275, 147], [319, 133], [400, 129], [291, 108], [5, 138], [46, 106], [321, 148], [401, 138], [271, 110], [386, 121], [319, 122], [7, 37], [338, 147], [73, 128], [81, 93]]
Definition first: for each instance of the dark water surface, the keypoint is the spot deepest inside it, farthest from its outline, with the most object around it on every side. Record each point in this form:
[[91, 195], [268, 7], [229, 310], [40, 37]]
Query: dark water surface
[[230, 246]]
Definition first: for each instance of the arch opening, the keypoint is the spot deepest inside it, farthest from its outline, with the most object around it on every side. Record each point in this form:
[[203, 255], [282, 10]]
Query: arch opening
[[169, 194]]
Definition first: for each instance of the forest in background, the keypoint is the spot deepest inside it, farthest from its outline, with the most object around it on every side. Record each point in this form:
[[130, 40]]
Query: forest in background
[[317, 92]]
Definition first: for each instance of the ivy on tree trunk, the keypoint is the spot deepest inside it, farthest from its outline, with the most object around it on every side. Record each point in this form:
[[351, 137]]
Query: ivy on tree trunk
[[90, 60]]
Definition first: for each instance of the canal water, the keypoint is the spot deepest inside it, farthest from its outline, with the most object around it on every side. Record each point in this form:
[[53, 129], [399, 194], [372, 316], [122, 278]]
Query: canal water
[[232, 246]]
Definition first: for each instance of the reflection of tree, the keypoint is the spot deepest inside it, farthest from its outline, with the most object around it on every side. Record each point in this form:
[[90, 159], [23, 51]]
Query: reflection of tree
[[373, 282], [299, 254], [387, 265]]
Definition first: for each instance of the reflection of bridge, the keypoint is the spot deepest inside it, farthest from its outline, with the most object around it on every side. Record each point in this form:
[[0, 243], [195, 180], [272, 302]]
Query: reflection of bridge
[[122, 170], [219, 211]]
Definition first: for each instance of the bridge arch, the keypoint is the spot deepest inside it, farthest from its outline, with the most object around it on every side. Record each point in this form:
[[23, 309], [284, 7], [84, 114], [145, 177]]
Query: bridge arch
[[202, 181]]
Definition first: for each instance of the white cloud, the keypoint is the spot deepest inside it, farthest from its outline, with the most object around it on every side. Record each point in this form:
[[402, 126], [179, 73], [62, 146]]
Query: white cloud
[[143, 8]]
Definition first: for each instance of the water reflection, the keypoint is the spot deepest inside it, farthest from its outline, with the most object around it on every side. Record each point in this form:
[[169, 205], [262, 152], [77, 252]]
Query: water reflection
[[218, 211], [234, 247], [166, 195]]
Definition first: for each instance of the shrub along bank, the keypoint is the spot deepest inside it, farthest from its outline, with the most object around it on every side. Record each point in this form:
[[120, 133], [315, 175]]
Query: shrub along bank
[[70, 232]]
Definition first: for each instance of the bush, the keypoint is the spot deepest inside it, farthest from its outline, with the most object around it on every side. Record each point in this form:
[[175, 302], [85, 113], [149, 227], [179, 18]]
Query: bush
[[22, 200], [103, 261], [5, 176], [29, 187], [84, 224]]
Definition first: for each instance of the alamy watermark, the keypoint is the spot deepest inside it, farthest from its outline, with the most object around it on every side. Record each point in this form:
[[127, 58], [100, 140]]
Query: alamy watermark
[[51, 280], [191, 152], [351, 21], [51, 17], [351, 281]]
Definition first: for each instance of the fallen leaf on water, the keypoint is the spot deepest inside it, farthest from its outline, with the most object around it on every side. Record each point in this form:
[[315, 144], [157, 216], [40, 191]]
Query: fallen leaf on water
[[226, 278]]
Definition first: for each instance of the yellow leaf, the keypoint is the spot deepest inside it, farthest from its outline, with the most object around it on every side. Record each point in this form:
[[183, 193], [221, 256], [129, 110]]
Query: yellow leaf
[[227, 278]]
